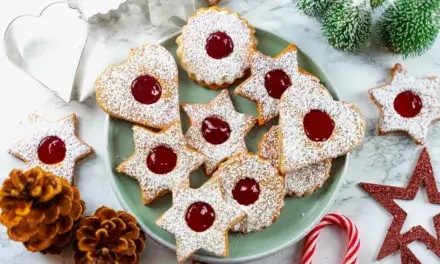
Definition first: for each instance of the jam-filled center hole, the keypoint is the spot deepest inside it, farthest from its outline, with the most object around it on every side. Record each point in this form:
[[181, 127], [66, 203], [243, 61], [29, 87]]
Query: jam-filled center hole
[[200, 216], [146, 89], [161, 160], [318, 125], [215, 130], [219, 45], [246, 191], [51, 150], [276, 83], [408, 104]]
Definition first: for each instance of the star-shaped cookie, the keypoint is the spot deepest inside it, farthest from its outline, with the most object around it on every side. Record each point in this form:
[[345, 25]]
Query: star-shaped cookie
[[200, 219], [54, 147], [385, 195], [407, 104], [219, 123], [270, 77], [160, 161]]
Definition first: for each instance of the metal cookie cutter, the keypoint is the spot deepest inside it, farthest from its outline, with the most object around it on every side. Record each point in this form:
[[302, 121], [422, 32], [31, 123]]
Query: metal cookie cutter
[[49, 46]]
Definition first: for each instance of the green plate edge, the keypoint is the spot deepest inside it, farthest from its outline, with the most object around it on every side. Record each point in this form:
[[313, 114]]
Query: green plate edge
[[299, 215]]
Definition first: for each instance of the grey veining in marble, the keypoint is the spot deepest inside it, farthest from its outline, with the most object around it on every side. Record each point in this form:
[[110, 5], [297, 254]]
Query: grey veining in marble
[[388, 159]]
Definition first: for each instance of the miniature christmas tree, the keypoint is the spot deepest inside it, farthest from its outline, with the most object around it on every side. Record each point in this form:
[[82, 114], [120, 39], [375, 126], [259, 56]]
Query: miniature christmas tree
[[347, 24], [314, 7], [410, 27]]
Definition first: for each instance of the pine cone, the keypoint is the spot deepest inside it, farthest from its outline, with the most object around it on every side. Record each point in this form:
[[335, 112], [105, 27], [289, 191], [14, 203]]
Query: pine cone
[[109, 237], [40, 210]]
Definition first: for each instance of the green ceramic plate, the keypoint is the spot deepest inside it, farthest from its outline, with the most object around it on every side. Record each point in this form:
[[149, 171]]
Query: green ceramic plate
[[298, 216]]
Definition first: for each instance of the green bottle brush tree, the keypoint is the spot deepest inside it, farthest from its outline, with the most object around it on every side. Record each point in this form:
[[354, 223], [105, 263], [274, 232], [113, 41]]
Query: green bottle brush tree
[[406, 27]]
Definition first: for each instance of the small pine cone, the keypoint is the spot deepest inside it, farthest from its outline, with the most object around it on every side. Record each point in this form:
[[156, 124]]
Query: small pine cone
[[40, 210], [109, 237]]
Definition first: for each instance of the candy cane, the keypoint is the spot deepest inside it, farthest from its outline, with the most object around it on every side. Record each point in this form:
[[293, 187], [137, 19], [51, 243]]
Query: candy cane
[[343, 222]]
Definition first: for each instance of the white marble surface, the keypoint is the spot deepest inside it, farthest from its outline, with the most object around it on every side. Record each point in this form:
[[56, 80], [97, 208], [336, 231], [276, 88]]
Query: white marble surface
[[388, 160]]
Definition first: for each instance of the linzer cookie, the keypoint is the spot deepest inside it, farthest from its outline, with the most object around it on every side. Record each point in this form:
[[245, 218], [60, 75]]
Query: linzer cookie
[[270, 77], [314, 127], [143, 89], [301, 182], [253, 185], [161, 161], [214, 47], [407, 104], [200, 219], [54, 147], [217, 130]]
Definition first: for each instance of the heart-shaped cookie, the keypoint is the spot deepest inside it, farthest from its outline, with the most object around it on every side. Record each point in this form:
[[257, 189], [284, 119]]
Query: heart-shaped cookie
[[314, 127], [143, 89], [48, 47]]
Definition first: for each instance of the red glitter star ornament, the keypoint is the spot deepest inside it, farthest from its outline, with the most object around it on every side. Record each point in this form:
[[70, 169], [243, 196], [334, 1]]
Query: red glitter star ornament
[[384, 195]]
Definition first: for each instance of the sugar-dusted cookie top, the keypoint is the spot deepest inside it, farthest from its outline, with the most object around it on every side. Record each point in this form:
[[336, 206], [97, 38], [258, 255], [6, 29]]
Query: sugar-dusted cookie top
[[270, 77], [53, 146], [300, 182], [255, 186], [314, 127], [217, 130], [215, 46], [161, 161], [143, 89], [407, 104], [200, 219]]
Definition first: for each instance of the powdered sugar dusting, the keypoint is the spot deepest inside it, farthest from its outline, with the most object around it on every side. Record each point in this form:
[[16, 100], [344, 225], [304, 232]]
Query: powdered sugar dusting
[[215, 239], [240, 125], [266, 209], [113, 88], [297, 150], [152, 184], [195, 60], [254, 87], [65, 129], [425, 88], [301, 182]]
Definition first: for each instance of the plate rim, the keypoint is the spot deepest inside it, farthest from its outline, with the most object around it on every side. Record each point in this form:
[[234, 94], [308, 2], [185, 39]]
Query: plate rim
[[214, 259]]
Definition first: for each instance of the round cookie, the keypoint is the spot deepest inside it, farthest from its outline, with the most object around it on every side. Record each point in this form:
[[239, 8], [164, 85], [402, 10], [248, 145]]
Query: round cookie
[[215, 46], [143, 89], [253, 185], [298, 183]]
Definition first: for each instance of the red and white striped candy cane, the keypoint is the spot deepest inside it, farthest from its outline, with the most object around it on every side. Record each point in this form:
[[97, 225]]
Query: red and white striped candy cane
[[341, 221]]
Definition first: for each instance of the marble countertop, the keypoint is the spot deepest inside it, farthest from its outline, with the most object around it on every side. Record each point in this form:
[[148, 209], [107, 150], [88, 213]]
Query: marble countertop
[[388, 160]]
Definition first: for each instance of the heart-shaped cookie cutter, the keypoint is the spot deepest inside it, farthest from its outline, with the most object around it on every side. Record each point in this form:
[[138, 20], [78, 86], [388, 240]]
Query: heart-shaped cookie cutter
[[49, 46]]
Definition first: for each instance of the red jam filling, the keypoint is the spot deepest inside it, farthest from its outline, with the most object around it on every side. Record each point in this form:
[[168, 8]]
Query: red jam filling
[[200, 216], [219, 45], [51, 150], [215, 130], [146, 89], [276, 82], [161, 160], [408, 104], [246, 191], [318, 125]]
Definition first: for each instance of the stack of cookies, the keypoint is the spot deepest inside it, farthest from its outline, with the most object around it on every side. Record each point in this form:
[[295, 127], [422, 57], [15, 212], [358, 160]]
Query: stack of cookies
[[217, 48]]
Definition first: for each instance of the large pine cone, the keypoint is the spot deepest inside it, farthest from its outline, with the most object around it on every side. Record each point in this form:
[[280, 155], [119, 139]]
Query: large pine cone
[[40, 210], [109, 237]]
